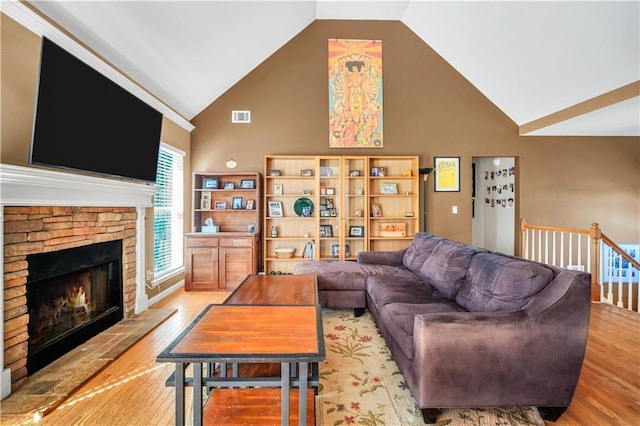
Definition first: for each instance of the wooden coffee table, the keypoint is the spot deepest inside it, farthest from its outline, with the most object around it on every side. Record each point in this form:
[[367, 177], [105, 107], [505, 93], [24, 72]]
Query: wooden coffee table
[[276, 290], [278, 332]]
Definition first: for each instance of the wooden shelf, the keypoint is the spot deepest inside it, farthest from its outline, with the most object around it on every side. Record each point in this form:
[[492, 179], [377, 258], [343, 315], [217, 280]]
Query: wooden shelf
[[221, 260], [354, 191]]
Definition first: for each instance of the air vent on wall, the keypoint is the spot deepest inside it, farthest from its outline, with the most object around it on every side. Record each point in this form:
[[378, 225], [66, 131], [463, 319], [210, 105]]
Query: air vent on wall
[[241, 116]]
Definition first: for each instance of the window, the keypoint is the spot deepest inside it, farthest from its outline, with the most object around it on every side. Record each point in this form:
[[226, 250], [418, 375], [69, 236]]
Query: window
[[168, 213]]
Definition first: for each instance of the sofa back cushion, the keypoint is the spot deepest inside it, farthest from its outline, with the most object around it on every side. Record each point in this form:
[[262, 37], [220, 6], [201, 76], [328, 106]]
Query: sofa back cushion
[[497, 282], [446, 267], [420, 248]]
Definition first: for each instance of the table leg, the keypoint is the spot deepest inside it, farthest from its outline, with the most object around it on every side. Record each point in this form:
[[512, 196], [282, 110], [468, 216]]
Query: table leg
[[286, 382], [302, 395], [180, 394], [197, 394]]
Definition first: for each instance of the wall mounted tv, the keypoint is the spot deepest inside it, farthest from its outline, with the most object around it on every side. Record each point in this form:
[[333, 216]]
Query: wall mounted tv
[[86, 122]]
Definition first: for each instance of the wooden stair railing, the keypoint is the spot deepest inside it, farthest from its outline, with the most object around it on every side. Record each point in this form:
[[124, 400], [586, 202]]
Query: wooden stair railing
[[571, 248]]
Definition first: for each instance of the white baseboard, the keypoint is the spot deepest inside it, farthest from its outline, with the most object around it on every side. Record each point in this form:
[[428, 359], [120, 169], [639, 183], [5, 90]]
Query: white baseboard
[[166, 292]]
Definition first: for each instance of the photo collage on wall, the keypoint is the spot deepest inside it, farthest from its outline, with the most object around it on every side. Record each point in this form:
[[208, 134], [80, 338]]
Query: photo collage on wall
[[500, 187]]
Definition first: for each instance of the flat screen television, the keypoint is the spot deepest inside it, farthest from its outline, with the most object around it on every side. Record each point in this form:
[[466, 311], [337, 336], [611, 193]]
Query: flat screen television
[[86, 122]]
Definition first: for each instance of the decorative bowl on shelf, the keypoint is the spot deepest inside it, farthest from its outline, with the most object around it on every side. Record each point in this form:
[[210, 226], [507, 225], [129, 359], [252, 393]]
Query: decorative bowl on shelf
[[284, 252], [303, 207]]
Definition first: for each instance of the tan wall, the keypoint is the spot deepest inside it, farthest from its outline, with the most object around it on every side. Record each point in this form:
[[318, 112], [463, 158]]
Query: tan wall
[[429, 110], [19, 79]]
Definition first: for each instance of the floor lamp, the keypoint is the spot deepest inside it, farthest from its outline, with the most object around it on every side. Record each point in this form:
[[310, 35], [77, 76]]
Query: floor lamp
[[425, 172]]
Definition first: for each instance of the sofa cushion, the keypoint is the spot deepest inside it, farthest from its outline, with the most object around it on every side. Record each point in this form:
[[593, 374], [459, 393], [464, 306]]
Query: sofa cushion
[[447, 266], [497, 282], [398, 318], [420, 248], [383, 290], [335, 275]]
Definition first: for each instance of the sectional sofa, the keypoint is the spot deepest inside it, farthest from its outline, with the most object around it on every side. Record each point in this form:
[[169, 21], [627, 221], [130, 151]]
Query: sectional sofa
[[469, 327]]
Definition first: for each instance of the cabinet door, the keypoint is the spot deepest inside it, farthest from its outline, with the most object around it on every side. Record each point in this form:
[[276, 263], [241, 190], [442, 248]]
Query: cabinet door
[[202, 269], [235, 264]]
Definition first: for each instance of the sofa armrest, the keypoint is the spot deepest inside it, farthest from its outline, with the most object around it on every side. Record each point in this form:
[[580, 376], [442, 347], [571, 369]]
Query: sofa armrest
[[506, 358], [391, 258]]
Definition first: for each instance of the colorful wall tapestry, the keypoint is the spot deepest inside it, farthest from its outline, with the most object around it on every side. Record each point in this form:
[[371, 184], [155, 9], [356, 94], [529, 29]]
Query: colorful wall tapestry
[[355, 94]]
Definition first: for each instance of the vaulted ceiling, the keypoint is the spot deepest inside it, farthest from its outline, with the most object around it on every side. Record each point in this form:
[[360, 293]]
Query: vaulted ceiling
[[553, 67]]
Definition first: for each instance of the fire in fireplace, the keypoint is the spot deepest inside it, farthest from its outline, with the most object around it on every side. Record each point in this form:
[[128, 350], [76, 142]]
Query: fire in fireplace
[[72, 295]]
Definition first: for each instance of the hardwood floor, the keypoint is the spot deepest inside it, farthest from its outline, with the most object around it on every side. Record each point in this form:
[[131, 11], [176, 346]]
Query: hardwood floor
[[131, 390]]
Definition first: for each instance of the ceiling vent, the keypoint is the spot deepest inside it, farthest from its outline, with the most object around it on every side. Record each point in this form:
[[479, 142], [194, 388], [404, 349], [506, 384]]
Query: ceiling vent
[[241, 116]]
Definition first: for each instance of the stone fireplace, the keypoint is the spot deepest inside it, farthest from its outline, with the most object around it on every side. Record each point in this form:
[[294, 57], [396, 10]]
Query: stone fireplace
[[49, 212], [72, 295]]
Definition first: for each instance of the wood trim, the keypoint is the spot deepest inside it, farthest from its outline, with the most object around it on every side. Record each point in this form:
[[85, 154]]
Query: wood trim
[[615, 96]]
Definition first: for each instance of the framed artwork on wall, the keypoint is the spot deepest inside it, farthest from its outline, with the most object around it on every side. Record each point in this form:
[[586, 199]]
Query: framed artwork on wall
[[447, 174]]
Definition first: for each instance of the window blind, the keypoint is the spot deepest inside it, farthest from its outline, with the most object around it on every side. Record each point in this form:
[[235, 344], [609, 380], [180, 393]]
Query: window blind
[[168, 212]]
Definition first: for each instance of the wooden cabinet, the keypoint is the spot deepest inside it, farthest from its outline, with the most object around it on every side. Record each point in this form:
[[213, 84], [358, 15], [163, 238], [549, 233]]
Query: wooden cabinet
[[358, 203], [224, 246], [219, 262]]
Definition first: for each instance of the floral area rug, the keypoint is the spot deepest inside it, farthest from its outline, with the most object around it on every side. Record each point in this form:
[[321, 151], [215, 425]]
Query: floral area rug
[[360, 383]]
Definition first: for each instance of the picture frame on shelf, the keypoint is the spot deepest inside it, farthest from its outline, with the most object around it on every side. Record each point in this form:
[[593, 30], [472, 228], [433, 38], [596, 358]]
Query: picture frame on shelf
[[229, 185], [356, 231], [331, 191], [326, 231], [354, 173], [388, 188], [306, 192], [205, 195], [248, 184], [277, 189], [376, 210], [329, 203], [205, 204], [210, 183], [275, 209], [274, 172], [250, 205], [236, 203], [374, 171], [306, 173], [359, 191], [325, 213], [220, 205], [447, 174]]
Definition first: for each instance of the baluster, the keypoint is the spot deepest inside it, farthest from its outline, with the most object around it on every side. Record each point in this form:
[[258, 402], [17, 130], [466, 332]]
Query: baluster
[[580, 249], [554, 248], [539, 244], [562, 249], [620, 301], [629, 288], [546, 247], [570, 262], [610, 282]]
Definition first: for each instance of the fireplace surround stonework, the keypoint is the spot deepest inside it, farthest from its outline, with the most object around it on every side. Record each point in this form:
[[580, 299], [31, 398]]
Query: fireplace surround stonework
[[44, 210], [44, 229]]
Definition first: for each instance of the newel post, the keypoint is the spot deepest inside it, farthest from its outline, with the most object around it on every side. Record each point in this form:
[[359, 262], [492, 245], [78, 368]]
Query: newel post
[[596, 234], [523, 239]]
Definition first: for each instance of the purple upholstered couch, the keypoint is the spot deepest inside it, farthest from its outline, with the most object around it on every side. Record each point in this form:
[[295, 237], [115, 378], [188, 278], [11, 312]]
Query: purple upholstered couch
[[469, 327]]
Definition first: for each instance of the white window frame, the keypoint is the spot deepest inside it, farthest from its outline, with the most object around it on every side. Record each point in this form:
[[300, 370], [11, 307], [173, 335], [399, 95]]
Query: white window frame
[[177, 218]]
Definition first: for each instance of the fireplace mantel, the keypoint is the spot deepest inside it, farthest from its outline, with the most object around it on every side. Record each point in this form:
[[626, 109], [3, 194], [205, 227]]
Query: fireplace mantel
[[33, 186]]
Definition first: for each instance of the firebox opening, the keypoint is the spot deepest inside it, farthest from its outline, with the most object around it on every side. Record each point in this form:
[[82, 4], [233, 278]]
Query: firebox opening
[[72, 295]]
